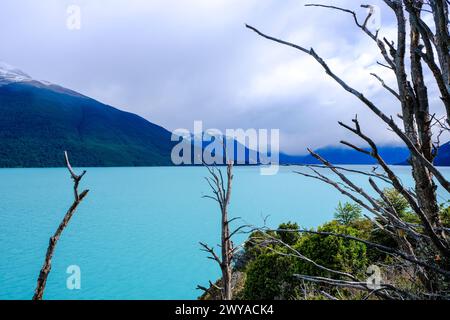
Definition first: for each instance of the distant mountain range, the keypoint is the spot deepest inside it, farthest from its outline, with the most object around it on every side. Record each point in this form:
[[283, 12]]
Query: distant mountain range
[[39, 120], [336, 155], [391, 154]]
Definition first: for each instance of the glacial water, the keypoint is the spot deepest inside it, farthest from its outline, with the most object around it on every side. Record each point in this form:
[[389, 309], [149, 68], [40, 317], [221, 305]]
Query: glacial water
[[136, 235]]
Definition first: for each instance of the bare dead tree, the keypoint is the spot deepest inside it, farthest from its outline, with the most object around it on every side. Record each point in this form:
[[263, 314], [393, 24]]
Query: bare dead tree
[[221, 190], [427, 245], [78, 198]]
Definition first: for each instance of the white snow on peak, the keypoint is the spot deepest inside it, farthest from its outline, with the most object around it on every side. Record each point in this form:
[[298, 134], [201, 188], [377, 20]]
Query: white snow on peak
[[10, 74]]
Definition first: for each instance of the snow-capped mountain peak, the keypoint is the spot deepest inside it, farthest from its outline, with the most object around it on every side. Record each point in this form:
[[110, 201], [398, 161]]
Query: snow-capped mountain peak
[[11, 74]]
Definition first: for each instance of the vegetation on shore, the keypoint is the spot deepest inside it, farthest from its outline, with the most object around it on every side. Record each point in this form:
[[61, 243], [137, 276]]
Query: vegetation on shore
[[271, 261]]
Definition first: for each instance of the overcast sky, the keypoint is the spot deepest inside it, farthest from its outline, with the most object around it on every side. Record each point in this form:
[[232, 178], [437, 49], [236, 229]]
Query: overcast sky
[[176, 61]]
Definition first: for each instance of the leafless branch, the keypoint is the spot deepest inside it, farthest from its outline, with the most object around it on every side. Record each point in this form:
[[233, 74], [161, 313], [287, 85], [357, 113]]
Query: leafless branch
[[388, 120], [222, 195], [78, 198]]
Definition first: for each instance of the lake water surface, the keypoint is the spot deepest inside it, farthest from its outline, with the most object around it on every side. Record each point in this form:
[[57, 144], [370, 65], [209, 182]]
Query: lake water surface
[[136, 234]]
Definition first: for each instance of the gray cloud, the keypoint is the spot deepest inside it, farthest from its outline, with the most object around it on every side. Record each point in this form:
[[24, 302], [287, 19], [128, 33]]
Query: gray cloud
[[174, 62]]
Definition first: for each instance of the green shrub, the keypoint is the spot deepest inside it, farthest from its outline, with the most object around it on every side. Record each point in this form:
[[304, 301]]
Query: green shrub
[[257, 244], [347, 213], [289, 237], [445, 214], [333, 252], [398, 201], [268, 276], [400, 205]]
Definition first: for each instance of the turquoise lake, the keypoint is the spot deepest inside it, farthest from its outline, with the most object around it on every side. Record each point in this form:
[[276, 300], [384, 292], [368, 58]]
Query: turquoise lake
[[136, 235]]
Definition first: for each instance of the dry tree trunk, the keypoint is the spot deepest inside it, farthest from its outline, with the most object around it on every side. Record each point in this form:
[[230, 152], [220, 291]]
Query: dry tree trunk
[[78, 198], [222, 195], [430, 238], [227, 246]]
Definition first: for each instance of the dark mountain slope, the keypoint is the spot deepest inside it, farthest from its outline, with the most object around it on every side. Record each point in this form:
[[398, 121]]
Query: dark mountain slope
[[38, 122]]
